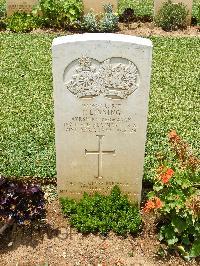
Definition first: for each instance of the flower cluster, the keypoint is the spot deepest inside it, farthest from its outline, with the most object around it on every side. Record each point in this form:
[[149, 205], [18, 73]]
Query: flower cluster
[[176, 200], [152, 204], [166, 176]]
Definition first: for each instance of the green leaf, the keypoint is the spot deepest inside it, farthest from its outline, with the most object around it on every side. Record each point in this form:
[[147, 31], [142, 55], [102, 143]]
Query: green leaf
[[195, 250], [167, 233], [158, 187], [179, 224]]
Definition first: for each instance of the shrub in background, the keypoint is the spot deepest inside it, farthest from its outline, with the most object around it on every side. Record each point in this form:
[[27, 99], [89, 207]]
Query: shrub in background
[[196, 12], [2, 14], [108, 22], [90, 22], [73, 10], [142, 9], [22, 22], [172, 16], [177, 202], [100, 213], [59, 13], [2, 8], [198, 15]]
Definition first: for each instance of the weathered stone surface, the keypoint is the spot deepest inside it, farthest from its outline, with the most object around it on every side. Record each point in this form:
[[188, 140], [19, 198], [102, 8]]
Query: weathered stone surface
[[159, 3], [13, 6], [97, 6], [101, 92]]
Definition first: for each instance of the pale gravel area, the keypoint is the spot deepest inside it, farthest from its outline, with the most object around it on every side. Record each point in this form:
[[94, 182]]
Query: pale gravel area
[[148, 29], [57, 244]]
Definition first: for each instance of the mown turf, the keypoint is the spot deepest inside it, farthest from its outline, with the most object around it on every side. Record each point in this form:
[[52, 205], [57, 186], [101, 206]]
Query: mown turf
[[175, 95], [27, 129]]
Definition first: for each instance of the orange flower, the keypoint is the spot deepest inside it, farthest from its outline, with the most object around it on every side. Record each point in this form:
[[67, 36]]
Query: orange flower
[[149, 206], [154, 203], [170, 172], [167, 176], [158, 203], [165, 179]]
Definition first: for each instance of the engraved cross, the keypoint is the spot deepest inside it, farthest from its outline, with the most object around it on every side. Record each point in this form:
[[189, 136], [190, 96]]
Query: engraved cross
[[100, 154]]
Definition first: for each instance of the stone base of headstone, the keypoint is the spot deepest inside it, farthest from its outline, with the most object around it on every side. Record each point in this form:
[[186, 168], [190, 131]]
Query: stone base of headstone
[[188, 3], [97, 6], [13, 6]]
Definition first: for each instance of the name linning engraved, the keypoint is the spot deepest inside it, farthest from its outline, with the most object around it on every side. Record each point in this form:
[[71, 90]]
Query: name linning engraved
[[114, 78], [101, 118]]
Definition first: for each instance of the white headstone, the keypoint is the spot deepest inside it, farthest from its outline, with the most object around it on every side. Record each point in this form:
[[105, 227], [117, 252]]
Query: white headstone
[[101, 92], [26, 6]]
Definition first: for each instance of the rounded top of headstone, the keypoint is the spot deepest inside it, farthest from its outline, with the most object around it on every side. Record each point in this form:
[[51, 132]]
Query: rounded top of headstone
[[102, 37]]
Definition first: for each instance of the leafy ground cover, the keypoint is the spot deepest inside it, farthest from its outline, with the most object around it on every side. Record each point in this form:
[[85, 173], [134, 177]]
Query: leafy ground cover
[[27, 129]]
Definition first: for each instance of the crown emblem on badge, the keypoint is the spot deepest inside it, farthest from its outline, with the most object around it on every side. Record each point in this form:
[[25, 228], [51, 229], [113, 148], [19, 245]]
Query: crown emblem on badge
[[111, 78]]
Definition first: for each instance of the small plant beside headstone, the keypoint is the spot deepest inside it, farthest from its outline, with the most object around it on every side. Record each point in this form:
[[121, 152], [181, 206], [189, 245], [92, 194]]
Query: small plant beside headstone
[[20, 202], [176, 200], [100, 213], [172, 16]]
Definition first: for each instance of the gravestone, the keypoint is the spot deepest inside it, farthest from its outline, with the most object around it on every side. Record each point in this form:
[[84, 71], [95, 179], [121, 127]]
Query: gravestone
[[97, 6], [13, 6], [101, 92], [188, 3]]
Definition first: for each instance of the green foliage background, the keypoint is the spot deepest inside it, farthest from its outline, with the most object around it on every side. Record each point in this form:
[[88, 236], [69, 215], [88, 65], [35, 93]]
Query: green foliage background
[[145, 7], [27, 131]]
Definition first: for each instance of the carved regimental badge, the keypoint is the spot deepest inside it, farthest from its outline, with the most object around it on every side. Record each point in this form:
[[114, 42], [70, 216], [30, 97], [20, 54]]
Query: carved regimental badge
[[115, 78]]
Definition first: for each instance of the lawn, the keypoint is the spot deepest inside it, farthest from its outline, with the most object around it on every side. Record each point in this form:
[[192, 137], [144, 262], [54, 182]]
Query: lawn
[[27, 128]]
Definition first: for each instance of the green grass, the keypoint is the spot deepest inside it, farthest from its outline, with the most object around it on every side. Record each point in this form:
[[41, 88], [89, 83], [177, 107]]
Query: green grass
[[174, 99], [27, 129]]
